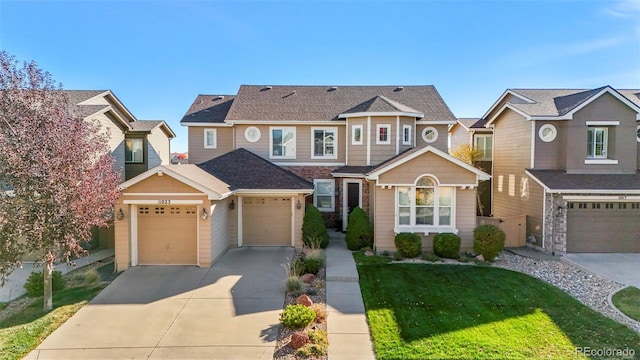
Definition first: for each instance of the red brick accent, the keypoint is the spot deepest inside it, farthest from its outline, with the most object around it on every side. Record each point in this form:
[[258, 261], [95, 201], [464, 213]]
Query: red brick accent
[[310, 173]]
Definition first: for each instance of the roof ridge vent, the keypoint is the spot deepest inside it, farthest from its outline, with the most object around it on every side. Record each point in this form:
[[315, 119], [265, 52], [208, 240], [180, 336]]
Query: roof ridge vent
[[219, 97], [332, 88], [290, 94], [266, 88], [399, 88]]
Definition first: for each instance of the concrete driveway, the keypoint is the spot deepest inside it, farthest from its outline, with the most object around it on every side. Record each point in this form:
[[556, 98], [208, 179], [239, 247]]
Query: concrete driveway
[[623, 268], [229, 311]]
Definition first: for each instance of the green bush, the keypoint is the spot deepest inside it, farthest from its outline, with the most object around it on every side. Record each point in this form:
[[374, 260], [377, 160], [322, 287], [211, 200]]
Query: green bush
[[307, 266], [488, 240], [293, 284], [297, 316], [359, 232], [315, 254], [447, 245], [314, 232], [408, 244], [318, 345], [35, 283]]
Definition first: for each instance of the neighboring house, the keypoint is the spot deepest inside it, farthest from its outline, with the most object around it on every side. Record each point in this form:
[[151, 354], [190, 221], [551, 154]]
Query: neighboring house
[[471, 131], [179, 158], [569, 160], [257, 157]]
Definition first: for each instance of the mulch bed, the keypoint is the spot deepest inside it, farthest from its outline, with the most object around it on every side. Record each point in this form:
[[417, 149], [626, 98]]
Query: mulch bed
[[283, 351]]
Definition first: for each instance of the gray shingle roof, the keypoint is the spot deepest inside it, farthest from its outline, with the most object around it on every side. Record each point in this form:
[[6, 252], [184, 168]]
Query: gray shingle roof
[[74, 97], [365, 170], [208, 109], [242, 169], [380, 103], [323, 103], [144, 125], [560, 180], [558, 102]]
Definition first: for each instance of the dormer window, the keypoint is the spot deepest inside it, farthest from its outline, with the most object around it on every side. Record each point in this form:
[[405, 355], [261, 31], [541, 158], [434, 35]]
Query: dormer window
[[597, 138]]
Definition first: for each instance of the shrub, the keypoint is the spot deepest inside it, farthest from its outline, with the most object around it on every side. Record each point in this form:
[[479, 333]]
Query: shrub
[[311, 291], [315, 254], [297, 268], [314, 232], [408, 244], [293, 284], [359, 232], [488, 240], [431, 257], [297, 316], [447, 245], [92, 277], [35, 283], [321, 311], [307, 266], [318, 344]]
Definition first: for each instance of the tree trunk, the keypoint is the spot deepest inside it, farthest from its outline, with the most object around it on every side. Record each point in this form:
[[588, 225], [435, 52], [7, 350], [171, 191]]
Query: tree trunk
[[47, 271]]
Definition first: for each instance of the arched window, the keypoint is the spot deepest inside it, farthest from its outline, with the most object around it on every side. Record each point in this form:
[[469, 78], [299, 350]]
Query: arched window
[[425, 204]]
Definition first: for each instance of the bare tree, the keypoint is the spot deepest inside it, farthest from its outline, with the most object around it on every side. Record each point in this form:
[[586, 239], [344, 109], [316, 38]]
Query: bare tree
[[58, 168]]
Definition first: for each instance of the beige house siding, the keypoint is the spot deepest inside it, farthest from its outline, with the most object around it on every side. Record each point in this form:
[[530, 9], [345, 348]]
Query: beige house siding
[[122, 242], [219, 230], [382, 152], [428, 164], [622, 144], [232, 223], [459, 136], [116, 140], [357, 154], [158, 148], [160, 184], [465, 217], [384, 218], [551, 155], [638, 156], [442, 143], [512, 154], [410, 122], [298, 216], [198, 154]]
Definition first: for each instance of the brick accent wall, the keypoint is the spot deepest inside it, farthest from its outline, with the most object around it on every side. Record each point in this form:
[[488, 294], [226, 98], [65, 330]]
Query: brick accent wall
[[310, 173]]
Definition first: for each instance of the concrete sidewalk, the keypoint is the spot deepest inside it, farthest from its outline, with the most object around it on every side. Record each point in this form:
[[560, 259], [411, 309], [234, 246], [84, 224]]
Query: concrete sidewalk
[[14, 285], [347, 327]]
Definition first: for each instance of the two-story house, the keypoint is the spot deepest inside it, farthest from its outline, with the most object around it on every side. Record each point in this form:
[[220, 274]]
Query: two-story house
[[569, 161], [259, 156]]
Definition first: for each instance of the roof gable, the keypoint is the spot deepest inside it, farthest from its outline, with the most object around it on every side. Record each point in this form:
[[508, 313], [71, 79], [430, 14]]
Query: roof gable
[[208, 109]]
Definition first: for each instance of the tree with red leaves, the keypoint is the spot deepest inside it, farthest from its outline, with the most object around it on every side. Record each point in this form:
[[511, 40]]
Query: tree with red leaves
[[56, 172]]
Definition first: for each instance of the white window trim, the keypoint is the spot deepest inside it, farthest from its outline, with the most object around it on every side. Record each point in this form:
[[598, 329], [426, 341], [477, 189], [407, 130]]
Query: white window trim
[[605, 144], [333, 197], [215, 138], [424, 134], [426, 229], [598, 161], [552, 136], [271, 128], [406, 141], [485, 156], [132, 161], [335, 143], [638, 133], [353, 134], [383, 126]]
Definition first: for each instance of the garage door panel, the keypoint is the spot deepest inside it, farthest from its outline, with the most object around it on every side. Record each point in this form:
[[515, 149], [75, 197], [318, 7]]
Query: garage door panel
[[266, 221], [167, 235], [603, 227]]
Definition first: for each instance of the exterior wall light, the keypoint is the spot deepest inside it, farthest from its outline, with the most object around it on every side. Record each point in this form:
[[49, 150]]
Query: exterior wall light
[[232, 205], [120, 215], [559, 211], [204, 215], [299, 205]]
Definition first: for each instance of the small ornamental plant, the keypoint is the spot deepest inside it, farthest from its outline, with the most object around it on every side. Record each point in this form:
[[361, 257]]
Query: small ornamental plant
[[446, 245], [488, 240], [297, 316], [314, 232], [359, 231], [408, 244], [35, 283]]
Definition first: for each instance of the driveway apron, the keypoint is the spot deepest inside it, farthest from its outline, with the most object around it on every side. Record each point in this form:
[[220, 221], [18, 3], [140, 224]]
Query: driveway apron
[[622, 267], [228, 311]]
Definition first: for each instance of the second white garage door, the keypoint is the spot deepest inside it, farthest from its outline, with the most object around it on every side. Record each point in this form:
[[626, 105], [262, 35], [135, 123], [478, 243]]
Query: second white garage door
[[167, 235], [266, 221]]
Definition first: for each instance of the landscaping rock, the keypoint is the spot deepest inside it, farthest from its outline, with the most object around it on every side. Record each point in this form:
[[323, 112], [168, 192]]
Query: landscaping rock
[[304, 300], [480, 257], [368, 253], [299, 339], [307, 278]]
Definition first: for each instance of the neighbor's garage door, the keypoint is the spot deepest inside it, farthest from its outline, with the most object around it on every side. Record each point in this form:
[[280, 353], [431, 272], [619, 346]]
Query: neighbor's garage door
[[266, 221], [167, 235], [603, 227]]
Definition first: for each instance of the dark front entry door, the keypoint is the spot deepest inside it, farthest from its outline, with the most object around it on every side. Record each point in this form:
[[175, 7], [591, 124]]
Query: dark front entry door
[[353, 196]]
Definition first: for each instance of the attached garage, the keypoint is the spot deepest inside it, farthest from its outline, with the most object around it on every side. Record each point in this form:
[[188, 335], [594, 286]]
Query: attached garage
[[266, 221], [603, 227], [167, 235]]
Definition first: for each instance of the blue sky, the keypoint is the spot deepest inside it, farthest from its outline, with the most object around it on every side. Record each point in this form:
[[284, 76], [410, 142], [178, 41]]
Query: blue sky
[[156, 56]]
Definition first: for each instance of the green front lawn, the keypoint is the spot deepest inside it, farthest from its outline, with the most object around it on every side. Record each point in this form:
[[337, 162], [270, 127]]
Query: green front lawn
[[424, 311], [627, 300]]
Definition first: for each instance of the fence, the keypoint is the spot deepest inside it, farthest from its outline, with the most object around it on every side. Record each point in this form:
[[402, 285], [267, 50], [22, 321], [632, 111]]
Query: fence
[[514, 227]]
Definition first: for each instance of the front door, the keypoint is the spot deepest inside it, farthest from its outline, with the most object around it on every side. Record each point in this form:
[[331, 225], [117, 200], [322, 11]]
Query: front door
[[351, 201]]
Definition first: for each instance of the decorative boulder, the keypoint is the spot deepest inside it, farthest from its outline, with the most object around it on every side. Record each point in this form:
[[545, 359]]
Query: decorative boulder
[[368, 253], [299, 339], [304, 300], [307, 278], [480, 257]]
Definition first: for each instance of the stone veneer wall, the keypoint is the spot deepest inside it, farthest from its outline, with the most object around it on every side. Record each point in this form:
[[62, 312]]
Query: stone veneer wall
[[555, 226]]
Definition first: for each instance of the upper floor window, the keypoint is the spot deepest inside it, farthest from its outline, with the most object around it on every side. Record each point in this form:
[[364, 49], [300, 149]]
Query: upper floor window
[[425, 204], [484, 144], [597, 138], [324, 143], [638, 133], [356, 135], [283, 143], [429, 134], [406, 134], [323, 196], [133, 151], [384, 134], [210, 138]]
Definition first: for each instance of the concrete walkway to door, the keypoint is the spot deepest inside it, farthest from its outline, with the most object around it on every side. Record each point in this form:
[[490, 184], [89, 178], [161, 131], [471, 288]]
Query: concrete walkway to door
[[229, 311]]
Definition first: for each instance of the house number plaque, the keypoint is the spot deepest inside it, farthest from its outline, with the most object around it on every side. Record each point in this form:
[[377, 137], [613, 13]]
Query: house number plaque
[[164, 202]]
